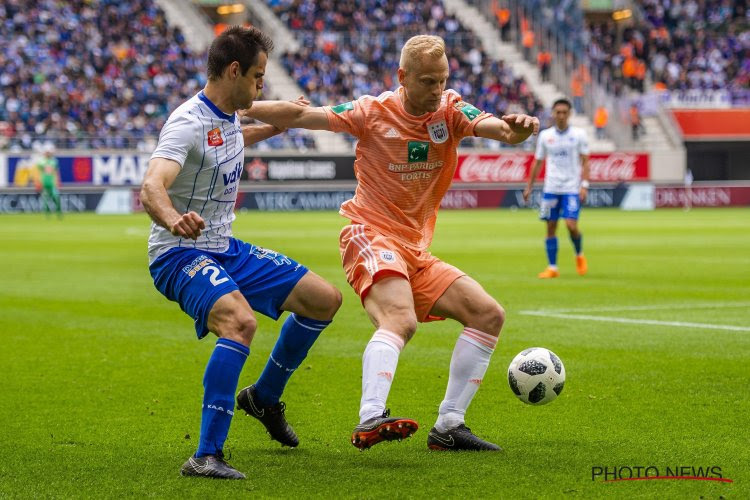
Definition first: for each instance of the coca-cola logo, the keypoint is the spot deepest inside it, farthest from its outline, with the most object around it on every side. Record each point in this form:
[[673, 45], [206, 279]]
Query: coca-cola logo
[[614, 167], [501, 168], [515, 167]]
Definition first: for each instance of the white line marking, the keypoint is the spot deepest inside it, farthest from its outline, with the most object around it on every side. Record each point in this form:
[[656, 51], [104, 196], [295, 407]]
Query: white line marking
[[613, 319], [707, 305]]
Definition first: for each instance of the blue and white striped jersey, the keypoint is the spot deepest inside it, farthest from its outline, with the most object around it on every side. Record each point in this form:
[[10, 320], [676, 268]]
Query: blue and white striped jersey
[[563, 150], [209, 145]]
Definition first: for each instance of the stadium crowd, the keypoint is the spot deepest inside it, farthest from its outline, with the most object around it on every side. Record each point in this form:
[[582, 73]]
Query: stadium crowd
[[350, 49], [682, 45], [95, 74], [673, 44], [106, 74]]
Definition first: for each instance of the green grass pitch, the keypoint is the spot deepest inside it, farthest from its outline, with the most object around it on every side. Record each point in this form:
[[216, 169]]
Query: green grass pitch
[[103, 376]]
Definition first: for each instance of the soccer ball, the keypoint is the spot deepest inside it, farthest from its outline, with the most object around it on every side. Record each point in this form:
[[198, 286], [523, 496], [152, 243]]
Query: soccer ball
[[536, 375]]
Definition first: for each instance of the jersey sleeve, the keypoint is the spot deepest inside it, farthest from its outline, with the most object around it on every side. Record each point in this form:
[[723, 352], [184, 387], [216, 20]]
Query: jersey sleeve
[[540, 152], [348, 117], [464, 116], [583, 143], [178, 136]]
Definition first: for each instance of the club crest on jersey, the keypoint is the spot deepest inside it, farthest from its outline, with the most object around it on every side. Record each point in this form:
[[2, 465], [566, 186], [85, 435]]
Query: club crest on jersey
[[438, 131], [214, 137], [387, 256]]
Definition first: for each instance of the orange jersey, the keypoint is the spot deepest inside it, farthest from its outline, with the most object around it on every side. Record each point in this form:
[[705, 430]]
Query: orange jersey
[[404, 164]]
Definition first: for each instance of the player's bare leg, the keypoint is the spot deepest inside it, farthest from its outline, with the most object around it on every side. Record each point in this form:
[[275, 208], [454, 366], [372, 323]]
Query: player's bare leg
[[551, 243], [482, 317], [313, 302], [313, 297], [390, 306], [576, 237]]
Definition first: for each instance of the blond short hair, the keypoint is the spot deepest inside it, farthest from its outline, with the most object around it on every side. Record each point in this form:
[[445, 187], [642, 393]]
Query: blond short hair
[[419, 46]]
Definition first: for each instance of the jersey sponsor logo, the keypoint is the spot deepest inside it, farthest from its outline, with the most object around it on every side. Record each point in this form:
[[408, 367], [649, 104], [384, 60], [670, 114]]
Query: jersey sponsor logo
[[234, 175], [417, 151], [415, 171], [438, 131], [392, 134], [387, 256], [340, 108], [214, 137], [467, 109], [198, 263]]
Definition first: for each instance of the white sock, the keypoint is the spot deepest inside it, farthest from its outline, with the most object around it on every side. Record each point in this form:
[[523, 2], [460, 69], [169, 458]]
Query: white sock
[[470, 360], [378, 368]]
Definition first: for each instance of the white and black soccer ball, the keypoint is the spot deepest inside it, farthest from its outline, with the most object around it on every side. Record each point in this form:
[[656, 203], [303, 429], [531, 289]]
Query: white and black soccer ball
[[536, 375]]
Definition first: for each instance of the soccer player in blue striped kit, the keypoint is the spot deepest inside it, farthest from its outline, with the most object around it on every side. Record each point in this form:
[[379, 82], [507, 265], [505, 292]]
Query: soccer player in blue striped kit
[[190, 190], [566, 184]]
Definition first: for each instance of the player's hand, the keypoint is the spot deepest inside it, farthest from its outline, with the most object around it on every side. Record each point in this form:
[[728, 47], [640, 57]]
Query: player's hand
[[189, 225], [526, 194], [301, 101], [523, 125], [583, 194]]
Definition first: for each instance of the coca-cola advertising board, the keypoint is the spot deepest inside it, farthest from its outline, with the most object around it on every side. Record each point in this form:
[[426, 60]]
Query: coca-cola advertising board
[[516, 167]]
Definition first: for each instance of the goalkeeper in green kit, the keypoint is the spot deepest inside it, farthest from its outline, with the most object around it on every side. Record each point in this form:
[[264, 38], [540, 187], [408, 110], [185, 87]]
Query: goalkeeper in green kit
[[49, 181]]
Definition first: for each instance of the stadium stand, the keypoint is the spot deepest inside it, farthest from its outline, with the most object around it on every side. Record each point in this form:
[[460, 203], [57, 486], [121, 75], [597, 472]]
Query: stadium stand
[[677, 46], [349, 49], [96, 74]]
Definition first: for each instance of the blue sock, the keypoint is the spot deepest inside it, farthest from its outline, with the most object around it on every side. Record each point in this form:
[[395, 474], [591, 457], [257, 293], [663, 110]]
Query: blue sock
[[577, 243], [220, 384], [551, 250], [297, 336]]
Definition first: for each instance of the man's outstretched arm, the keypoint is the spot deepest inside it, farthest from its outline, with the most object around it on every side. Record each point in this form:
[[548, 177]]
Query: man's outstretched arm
[[255, 133], [288, 114], [511, 129]]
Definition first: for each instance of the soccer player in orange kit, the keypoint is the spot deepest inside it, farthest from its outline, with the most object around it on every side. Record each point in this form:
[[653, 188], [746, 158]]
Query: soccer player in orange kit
[[405, 160]]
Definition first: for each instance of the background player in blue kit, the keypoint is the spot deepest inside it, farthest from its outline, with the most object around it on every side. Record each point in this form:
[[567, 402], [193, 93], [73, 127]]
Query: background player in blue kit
[[189, 191], [566, 183]]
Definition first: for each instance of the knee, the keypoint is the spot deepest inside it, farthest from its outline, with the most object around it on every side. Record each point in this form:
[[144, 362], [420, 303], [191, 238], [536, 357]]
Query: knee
[[402, 323], [239, 327], [331, 302], [492, 318], [325, 304]]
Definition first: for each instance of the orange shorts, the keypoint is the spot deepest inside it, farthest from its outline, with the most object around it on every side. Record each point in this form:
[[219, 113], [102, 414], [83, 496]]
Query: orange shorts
[[368, 256]]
